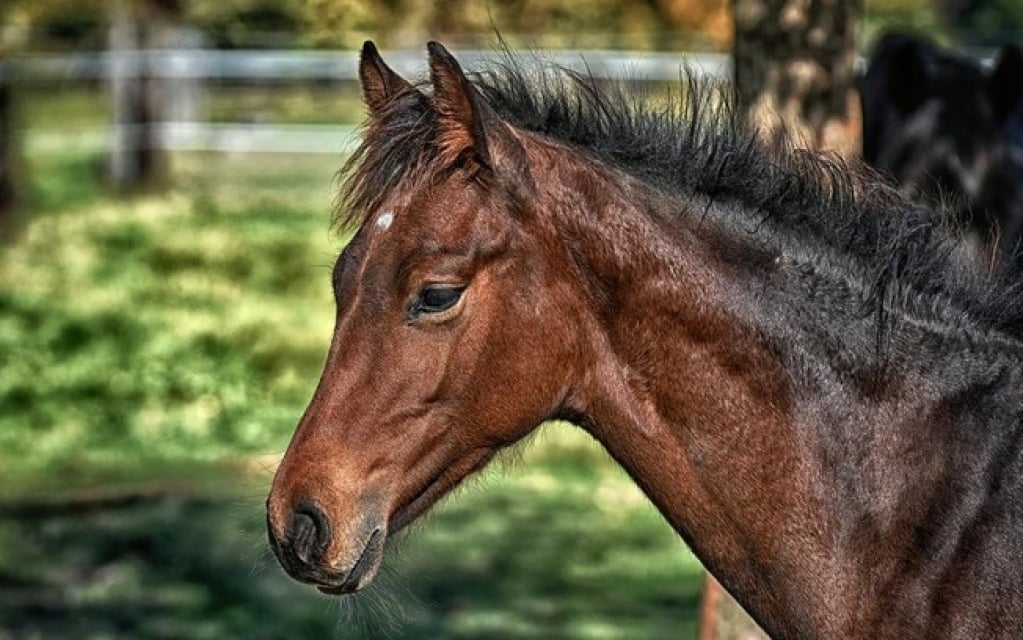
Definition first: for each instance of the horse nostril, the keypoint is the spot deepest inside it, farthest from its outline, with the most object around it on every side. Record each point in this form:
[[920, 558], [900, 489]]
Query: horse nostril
[[310, 533]]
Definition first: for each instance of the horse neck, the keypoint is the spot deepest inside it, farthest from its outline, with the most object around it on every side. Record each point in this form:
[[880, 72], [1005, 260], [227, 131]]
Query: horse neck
[[783, 485]]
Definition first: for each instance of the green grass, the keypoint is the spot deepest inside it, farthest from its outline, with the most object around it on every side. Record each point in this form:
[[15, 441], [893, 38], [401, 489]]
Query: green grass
[[182, 327], [164, 347]]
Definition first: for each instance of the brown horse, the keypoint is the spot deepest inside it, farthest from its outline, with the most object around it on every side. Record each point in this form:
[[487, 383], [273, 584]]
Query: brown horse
[[797, 366]]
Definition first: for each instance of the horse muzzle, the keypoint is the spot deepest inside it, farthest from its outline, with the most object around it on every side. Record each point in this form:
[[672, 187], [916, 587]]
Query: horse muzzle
[[303, 550]]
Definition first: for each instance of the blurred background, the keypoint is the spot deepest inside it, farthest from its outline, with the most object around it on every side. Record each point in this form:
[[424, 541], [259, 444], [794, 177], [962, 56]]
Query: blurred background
[[167, 170]]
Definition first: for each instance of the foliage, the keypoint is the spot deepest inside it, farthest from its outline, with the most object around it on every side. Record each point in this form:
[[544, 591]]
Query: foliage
[[407, 23], [246, 23], [918, 16], [993, 22], [654, 24], [549, 23], [44, 22], [228, 23], [663, 24]]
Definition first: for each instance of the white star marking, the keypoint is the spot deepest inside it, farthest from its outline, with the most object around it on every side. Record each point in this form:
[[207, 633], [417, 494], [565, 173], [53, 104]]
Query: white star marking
[[385, 219]]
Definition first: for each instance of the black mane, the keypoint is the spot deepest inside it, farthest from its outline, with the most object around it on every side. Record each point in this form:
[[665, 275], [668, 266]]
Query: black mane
[[693, 145]]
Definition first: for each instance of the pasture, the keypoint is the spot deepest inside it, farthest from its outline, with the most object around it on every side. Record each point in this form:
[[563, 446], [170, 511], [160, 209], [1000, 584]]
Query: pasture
[[157, 353]]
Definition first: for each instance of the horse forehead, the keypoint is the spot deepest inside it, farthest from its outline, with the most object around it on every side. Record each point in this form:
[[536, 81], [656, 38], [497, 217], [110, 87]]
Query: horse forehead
[[393, 232], [448, 219]]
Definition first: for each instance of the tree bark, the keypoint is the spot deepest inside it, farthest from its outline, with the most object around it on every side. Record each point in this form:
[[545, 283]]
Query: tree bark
[[795, 71], [8, 146]]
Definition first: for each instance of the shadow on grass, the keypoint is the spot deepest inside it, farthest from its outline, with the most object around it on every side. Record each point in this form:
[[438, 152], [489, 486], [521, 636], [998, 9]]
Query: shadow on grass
[[519, 560]]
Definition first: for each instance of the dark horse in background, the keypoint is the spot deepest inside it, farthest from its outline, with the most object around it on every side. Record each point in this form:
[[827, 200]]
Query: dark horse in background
[[950, 133], [797, 366]]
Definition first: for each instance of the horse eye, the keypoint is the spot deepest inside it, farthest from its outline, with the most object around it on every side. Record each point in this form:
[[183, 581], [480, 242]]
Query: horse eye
[[436, 298]]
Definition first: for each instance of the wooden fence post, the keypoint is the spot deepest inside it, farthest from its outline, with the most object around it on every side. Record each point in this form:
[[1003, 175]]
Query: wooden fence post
[[721, 617], [137, 157]]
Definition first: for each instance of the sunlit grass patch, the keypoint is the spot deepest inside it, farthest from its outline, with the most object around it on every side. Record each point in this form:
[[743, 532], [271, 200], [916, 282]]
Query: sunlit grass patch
[[144, 327]]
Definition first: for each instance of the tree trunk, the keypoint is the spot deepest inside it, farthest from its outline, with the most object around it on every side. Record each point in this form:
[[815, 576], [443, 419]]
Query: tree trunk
[[8, 146], [795, 71]]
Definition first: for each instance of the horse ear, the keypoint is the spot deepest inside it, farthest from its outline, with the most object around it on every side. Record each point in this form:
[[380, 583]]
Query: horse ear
[[1005, 84], [469, 125], [379, 82]]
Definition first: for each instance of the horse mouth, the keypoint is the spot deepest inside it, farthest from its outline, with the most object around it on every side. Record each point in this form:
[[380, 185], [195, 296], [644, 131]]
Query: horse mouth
[[363, 570], [434, 489]]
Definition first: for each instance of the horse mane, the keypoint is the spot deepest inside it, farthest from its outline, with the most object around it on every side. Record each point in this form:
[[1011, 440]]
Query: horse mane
[[690, 143]]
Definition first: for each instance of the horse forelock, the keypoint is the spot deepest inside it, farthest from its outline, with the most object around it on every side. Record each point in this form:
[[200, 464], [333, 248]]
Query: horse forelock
[[398, 152]]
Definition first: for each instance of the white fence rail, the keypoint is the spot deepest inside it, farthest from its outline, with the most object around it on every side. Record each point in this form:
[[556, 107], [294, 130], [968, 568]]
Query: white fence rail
[[183, 71], [266, 66], [205, 136]]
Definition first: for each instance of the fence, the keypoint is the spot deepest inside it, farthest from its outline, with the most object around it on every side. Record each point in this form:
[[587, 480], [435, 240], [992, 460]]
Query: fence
[[180, 75]]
